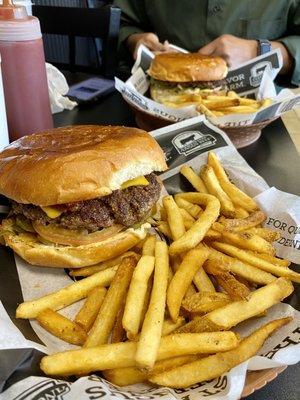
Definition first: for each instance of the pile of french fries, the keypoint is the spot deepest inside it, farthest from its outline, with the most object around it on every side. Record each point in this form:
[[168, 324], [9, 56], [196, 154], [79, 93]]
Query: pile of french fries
[[217, 105], [165, 312]]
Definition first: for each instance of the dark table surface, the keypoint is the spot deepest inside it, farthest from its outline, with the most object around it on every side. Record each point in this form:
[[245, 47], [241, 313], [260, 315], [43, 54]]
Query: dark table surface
[[273, 156]]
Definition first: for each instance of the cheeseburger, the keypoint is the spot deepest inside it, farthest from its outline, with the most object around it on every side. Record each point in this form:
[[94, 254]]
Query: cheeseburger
[[175, 74], [79, 195]]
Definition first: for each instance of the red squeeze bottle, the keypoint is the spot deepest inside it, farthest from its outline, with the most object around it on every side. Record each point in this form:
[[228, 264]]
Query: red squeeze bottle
[[23, 72]]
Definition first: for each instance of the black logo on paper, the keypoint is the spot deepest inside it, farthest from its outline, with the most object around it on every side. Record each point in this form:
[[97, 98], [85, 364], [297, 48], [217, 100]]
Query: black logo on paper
[[134, 98], [287, 106], [257, 71], [189, 142], [45, 390]]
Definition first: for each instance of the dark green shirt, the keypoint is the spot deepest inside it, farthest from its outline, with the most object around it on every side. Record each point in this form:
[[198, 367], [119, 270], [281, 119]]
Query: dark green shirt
[[193, 23]]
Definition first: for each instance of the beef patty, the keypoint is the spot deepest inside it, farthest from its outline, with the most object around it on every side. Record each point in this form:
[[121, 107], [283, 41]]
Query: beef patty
[[126, 207]]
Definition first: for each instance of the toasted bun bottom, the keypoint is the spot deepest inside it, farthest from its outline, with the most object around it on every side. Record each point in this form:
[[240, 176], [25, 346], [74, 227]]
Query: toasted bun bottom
[[28, 247]]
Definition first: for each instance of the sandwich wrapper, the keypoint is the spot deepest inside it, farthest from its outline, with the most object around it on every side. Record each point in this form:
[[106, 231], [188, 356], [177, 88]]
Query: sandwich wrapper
[[185, 142], [253, 78]]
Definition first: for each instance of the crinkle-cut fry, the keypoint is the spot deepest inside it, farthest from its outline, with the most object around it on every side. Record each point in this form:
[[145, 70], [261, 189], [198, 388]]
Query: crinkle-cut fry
[[87, 271], [164, 228], [256, 261], [193, 209], [67, 295], [87, 314], [197, 232], [226, 317], [191, 263], [112, 302], [248, 241], [239, 268], [175, 219], [150, 336], [215, 365], [61, 327], [188, 220], [274, 260], [241, 224], [235, 289], [237, 196], [136, 295], [133, 375], [211, 182], [149, 246], [119, 355], [204, 302], [265, 233], [193, 178]]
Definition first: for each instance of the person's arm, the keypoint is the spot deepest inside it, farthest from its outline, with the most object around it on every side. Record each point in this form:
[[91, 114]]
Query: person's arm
[[236, 51], [136, 28]]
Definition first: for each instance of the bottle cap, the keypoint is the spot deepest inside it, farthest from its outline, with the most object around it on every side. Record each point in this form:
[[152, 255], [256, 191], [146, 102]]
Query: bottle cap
[[16, 25]]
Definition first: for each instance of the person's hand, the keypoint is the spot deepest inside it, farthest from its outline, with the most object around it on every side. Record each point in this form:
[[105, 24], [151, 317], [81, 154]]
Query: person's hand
[[234, 50], [149, 40]]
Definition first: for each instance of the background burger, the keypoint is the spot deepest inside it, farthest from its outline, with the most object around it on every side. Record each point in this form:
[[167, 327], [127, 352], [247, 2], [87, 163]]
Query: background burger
[[79, 195], [176, 74]]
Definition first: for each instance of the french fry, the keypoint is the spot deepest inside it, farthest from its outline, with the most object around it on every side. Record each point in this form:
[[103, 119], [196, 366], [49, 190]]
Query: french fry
[[239, 268], [133, 375], [256, 261], [193, 178], [61, 327], [197, 232], [237, 196], [239, 110], [112, 302], [136, 295], [204, 302], [216, 266], [265, 103], [265, 233], [240, 212], [87, 314], [182, 279], [170, 326], [274, 260], [118, 333], [248, 241], [66, 296], [164, 228], [149, 246], [193, 209], [150, 336], [221, 103], [120, 355], [204, 110], [211, 234], [202, 281], [235, 289], [214, 188], [230, 315], [175, 219], [237, 225], [245, 102], [215, 365], [175, 264], [87, 271], [188, 220]]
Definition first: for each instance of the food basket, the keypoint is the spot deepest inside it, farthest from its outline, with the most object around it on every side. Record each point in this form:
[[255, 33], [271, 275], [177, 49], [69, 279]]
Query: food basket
[[240, 136]]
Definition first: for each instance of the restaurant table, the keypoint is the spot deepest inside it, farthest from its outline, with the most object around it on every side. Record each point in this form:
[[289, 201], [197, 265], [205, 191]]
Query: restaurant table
[[273, 156]]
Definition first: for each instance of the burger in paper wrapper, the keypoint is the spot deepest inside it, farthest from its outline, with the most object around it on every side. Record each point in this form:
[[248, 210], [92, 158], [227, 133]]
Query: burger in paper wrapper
[[79, 195]]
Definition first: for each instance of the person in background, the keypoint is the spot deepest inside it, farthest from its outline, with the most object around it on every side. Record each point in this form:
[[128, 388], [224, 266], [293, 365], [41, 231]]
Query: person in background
[[233, 29]]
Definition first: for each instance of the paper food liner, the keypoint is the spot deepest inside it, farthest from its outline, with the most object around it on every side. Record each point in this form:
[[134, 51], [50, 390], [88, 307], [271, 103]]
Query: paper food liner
[[253, 78], [187, 142]]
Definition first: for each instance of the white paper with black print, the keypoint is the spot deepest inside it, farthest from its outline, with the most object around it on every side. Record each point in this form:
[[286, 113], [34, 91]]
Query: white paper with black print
[[187, 142], [253, 78]]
